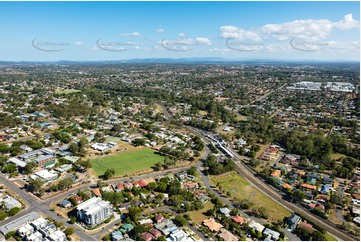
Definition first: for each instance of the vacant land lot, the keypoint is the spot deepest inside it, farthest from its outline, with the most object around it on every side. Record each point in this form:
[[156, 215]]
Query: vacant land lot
[[240, 189], [126, 162], [198, 216]]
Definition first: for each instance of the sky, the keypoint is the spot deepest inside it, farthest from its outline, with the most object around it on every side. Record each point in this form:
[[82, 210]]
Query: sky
[[93, 31]]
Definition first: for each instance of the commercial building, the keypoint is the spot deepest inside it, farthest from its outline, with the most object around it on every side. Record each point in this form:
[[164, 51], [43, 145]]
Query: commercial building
[[93, 211]]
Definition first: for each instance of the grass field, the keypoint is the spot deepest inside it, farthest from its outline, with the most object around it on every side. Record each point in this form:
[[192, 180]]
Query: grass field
[[198, 216], [336, 156], [240, 189], [127, 162], [330, 237], [68, 91], [112, 139]]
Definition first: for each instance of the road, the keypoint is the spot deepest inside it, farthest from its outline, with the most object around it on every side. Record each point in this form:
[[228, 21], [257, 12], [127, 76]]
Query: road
[[35, 205], [247, 173]]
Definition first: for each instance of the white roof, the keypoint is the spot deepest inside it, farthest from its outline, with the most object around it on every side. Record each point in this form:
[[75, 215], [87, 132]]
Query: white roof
[[17, 162], [45, 174], [257, 226]]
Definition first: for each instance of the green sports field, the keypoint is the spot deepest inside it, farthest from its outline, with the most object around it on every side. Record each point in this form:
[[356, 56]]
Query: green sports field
[[67, 91], [127, 162]]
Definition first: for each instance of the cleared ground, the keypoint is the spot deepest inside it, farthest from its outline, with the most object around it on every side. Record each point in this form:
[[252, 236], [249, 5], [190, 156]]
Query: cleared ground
[[126, 162], [240, 189]]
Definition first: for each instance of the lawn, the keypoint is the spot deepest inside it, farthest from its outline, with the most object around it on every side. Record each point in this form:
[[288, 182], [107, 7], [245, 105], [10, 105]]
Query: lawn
[[198, 216], [240, 188], [126, 162], [67, 91], [330, 237]]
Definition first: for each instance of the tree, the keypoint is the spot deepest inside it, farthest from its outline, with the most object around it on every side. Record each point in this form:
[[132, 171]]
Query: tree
[[29, 167], [138, 142], [14, 211], [180, 221], [35, 185], [109, 173], [69, 231], [85, 163], [9, 168]]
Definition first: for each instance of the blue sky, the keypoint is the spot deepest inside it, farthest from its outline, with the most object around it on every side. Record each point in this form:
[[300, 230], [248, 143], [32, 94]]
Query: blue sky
[[232, 30]]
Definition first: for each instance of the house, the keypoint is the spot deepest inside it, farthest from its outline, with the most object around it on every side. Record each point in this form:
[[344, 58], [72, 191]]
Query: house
[[147, 236], [238, 219], [119, 187], [308, 186], [146, 221], [293, 221], [128, 185], [57, 236], [212, 224], [155, 232], [256, 226], [271, 234], [10, 202], [325, 189], [126, 228], [159, 218], [287, 186], [225, 211], [39, 223], [327, 180], [226, 235], [140, 183], [116, 236], [182, 176], [276, 173], [65, 204], [190, 185], [178, 235], [78, 199], [97, 192]]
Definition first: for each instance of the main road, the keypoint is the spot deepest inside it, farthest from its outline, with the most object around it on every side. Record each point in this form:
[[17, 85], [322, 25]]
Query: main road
[[247, 173]]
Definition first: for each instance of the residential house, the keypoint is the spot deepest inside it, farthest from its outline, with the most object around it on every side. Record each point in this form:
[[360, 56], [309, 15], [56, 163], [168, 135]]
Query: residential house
[[65, 204], [226, 235], [212, 224], [271, 234], [293, 221], [256, 226]]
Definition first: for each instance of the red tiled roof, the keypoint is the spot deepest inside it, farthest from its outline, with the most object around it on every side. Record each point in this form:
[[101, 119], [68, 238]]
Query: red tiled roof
[[212, 224], [140, 183], [276, 173], [308, 186], [238, 219]]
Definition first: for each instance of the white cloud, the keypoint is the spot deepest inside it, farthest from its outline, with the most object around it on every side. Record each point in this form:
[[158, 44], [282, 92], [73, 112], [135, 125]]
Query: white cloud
[[347, 23], [78, 43], [160, 30], [305, 29], [204, 41], [136, 34], [312, 29], [238, 33], [181, 35]]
